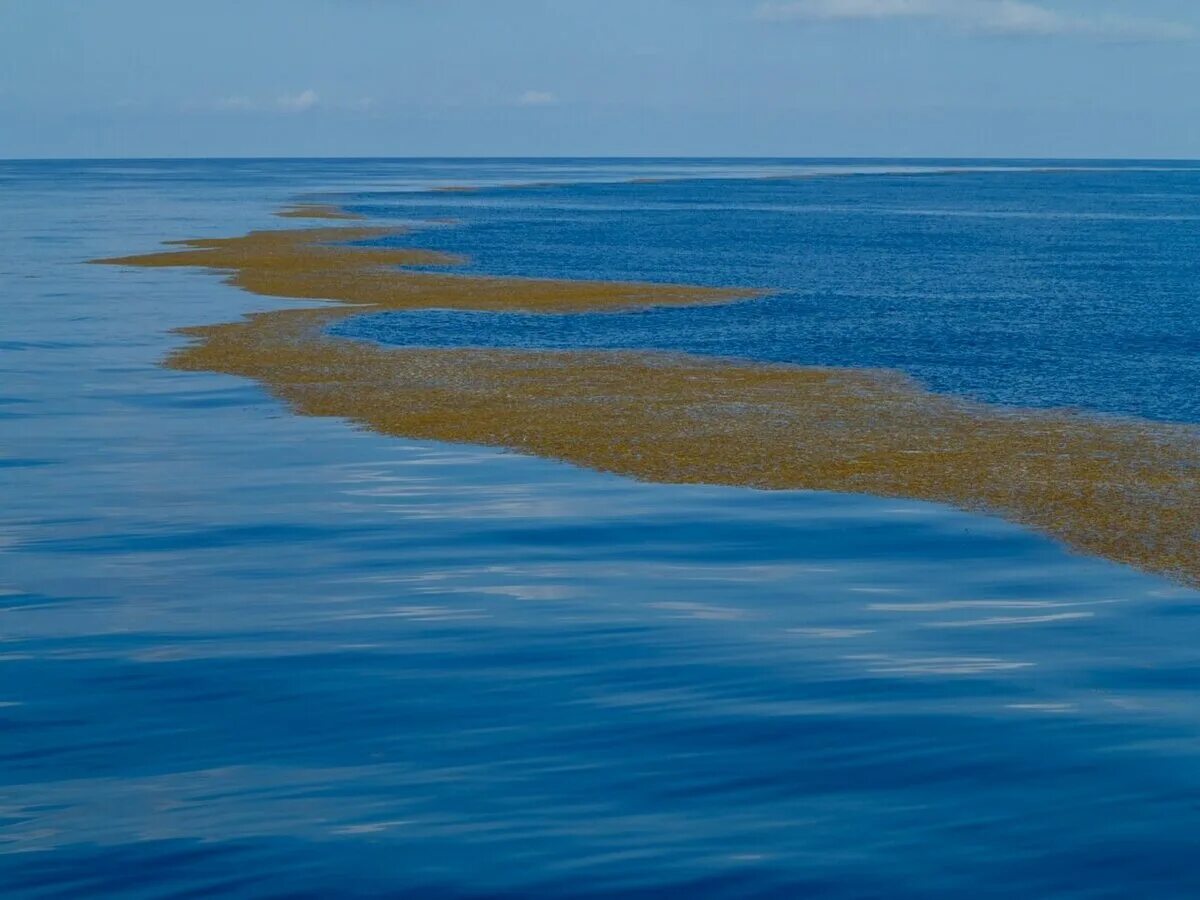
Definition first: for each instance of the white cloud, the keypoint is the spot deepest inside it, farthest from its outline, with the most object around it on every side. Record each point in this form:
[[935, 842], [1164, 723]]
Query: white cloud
[[537, 98], [1014, 18], [835, 10], [292, 103], [299, 102], [238, 104]]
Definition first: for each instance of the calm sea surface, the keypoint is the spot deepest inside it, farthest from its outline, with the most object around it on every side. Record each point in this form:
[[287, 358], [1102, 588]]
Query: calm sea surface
[[248, 654]]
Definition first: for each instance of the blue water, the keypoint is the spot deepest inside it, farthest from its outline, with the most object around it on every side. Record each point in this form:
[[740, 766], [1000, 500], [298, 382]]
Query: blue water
[[1067, 288], [248, 654]]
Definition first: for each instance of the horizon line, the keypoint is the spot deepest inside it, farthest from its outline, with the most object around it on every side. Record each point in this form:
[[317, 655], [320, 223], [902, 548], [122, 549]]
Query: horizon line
[[572, 157]]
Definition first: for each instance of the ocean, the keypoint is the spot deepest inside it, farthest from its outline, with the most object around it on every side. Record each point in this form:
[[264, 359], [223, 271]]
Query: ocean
[[258, 654]]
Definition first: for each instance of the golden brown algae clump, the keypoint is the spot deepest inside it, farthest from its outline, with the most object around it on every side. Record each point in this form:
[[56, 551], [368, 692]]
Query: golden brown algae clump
[[333, 264], [317, 211], [1123, 489]]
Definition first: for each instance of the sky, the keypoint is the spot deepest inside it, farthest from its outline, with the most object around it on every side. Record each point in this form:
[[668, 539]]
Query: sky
[[927, 78]]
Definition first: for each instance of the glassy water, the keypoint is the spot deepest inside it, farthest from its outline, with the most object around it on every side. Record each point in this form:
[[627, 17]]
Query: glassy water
[[250, 654]]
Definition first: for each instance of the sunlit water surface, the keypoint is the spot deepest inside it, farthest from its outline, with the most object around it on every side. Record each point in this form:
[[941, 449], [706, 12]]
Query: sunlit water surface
[[258, 655]]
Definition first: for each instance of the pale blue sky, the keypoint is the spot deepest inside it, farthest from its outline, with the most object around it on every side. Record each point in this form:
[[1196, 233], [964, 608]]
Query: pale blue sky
[[1097, 78]]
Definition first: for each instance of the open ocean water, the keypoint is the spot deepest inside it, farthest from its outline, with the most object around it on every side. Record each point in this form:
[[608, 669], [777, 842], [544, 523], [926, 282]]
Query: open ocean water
[[248, 654]]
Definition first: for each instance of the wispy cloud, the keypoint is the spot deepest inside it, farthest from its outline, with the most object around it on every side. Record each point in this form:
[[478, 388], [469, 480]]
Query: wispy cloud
[[1012, 18], [300, 102], [234, 104], [537, 98]]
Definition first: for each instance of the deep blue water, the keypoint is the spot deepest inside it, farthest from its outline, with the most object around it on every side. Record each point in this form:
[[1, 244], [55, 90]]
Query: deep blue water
[[248, 654], [1066, 288]]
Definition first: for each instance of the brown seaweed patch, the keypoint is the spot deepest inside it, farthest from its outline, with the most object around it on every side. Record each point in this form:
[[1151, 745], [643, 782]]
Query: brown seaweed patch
[[1120, 489], [333, 264], [317, 211], [1126, 490]]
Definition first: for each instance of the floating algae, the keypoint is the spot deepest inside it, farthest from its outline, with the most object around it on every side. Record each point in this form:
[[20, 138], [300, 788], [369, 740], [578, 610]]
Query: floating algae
[[324, 263], [317, 211], [1122, 489]]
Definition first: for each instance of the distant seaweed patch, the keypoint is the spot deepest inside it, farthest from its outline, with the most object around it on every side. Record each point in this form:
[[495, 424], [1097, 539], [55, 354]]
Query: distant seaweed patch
[[317, 211], [341, 264]]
